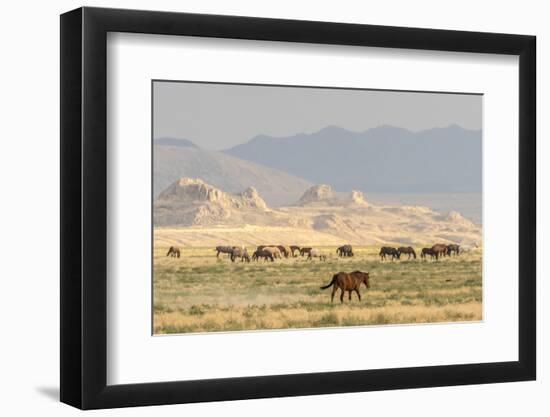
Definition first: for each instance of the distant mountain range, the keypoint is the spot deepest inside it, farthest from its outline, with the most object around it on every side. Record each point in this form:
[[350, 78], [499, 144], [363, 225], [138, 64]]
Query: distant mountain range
[[175, 158], [382, 159]]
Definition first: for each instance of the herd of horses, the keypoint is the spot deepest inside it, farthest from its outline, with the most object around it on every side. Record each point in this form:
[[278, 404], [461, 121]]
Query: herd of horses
[[343, 281], [272, 252], [439, 250]]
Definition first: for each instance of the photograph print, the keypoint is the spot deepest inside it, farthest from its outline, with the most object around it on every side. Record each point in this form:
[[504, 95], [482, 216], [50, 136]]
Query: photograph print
[[294, 207]]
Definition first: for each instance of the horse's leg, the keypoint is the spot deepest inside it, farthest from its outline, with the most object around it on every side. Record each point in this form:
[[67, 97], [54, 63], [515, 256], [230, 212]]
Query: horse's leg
[[358, 293], [349, 291], [333, 292], [342, 296]]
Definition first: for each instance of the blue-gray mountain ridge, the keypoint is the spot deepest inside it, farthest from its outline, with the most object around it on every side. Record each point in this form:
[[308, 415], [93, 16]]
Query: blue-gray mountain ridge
[[384, 159]]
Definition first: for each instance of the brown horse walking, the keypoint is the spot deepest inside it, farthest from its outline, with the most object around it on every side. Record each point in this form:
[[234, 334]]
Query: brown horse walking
[[348, 281]]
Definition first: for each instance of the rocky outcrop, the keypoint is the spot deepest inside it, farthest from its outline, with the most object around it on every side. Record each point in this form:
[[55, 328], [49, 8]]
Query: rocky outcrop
[[251, 198], [323, 213], [191, 190], [358, 198], [190, 201], [457, 220], [316, 194]]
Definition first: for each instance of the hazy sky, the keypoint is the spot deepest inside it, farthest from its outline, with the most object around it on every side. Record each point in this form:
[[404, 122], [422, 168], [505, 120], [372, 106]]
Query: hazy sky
[[219, 116]]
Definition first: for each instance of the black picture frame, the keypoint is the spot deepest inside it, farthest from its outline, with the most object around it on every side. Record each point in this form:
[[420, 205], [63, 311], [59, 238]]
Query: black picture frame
[[84, 207]]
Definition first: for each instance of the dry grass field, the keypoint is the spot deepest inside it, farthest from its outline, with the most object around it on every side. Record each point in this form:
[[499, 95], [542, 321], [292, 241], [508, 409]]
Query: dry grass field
[[200, 293]]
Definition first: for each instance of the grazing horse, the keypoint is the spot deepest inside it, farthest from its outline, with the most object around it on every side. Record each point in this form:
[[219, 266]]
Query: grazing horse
[[344, 251], [274, 250], [348, 282], [388, 251], [293, 249], [285, 250], [440, 249], [304, 251], [316, 253], [224, 249], [262, 253], [408, 250], [174, 252], [453, 248], [428, 251], [240, 253]]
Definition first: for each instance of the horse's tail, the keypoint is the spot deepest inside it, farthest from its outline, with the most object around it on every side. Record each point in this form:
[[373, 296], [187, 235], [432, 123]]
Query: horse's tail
[[331, 283]]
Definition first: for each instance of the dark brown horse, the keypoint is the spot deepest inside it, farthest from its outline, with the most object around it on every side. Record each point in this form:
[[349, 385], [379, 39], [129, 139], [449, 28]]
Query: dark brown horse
[[293, 249], [348, 282], [428, 251], [388, 251], [408, 250], [305, 251], [345, 251], [262, 253], [174, 252]]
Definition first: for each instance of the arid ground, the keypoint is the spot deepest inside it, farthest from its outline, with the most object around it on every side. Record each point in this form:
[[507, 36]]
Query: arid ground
[[200, 293]]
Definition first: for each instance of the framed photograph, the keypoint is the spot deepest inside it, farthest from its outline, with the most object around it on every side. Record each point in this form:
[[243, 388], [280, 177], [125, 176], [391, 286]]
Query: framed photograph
[[259, 208]]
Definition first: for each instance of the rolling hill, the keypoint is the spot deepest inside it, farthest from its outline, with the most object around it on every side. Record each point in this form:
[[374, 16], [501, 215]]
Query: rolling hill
[[175, 158]]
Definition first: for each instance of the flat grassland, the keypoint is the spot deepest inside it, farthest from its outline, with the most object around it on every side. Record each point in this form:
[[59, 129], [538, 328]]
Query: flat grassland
[[200, 293]]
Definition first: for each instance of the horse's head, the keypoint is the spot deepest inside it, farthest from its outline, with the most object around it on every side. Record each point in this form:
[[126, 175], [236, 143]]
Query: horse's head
[[366, 279]]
